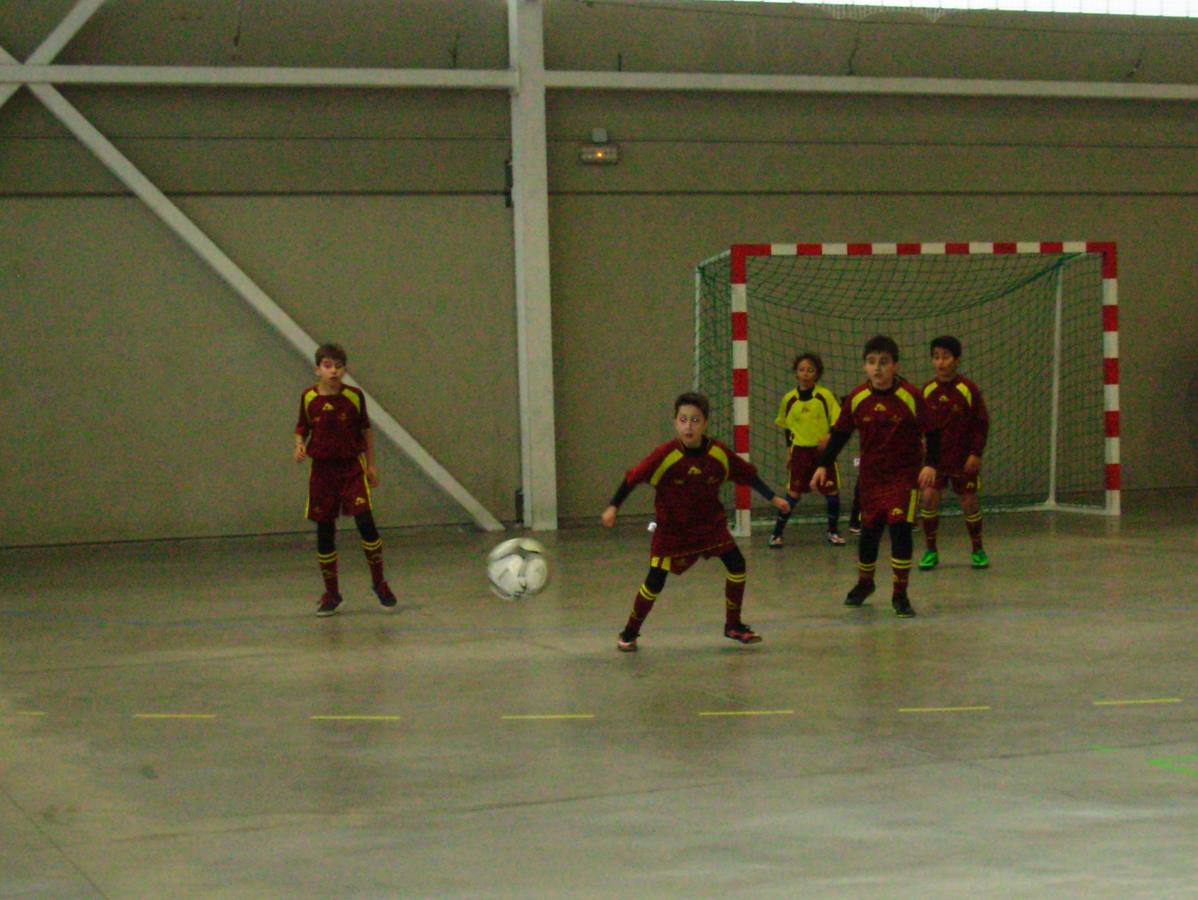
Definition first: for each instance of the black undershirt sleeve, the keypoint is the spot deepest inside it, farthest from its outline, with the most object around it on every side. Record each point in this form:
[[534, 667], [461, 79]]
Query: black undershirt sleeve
[[621, 493], [836, 442], [762, 488], [932, 457]]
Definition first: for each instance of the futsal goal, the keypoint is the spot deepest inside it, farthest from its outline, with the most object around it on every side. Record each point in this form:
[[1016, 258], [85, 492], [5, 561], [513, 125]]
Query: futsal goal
[[1038, 323]]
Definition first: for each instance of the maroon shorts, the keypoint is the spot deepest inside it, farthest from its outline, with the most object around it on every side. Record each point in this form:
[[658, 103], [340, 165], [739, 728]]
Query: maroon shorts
[[888, 503], [961, 483], [337, 487], [801, 464], [677, 563]]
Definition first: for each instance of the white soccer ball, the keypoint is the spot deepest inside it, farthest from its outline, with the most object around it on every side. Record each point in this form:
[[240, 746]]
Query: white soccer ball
[[517, 568]]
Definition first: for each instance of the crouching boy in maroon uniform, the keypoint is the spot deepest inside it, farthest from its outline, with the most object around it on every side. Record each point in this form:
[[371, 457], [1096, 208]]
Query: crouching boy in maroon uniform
[[691, 521], [334, 432], [893, 421]]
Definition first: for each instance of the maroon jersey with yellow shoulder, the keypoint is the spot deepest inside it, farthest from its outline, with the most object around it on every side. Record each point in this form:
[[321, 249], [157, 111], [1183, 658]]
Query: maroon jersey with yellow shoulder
[[333, 425], [690, 517], [958, 410], [891, 425]]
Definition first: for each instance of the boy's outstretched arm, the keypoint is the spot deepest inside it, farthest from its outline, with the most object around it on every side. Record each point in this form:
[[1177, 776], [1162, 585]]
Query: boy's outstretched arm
[[779, 503], [608, 517]]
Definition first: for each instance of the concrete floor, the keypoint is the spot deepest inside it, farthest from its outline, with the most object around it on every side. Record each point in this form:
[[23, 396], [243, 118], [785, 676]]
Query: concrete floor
[[174, 721]]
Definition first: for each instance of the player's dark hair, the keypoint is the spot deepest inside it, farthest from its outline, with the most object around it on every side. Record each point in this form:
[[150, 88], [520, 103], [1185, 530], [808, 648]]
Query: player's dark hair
[[949, 343], [693, 398], [881, 344], [812, 358], [331, 351]]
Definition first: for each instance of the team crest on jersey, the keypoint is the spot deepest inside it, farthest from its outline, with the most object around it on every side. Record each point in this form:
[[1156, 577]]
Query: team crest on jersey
[[694, 470], [896, 512], [879, 407], [328, 407], [359, 501]]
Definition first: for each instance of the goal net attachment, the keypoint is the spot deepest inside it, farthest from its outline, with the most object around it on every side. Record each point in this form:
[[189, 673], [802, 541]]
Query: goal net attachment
[[1038, 323]]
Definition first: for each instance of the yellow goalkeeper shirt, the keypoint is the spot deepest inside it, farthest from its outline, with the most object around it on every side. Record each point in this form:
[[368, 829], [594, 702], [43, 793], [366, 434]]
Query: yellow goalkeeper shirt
[[808, 415]]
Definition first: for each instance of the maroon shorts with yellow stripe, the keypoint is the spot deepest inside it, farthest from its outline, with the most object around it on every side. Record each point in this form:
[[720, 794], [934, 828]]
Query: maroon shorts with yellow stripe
[[888, 502], [801, 463], [337, 487], [961, 483], [675, 559]]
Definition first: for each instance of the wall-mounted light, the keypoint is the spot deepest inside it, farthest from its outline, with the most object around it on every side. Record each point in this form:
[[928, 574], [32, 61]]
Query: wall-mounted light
[[600, 151]]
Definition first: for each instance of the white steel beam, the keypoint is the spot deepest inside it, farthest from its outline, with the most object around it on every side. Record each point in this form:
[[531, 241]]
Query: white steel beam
[[530, 201], [267, 76], [49, 48], [235, 277], [67, 29], [697, 82], [503, 79]]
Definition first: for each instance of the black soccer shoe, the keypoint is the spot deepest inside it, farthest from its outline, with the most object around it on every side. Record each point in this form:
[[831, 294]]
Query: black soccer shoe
[[902, 606], [741, 633], [857, 595]]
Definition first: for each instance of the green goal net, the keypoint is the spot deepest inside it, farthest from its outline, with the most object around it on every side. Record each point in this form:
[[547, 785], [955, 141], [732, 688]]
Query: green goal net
[[1036, 322]]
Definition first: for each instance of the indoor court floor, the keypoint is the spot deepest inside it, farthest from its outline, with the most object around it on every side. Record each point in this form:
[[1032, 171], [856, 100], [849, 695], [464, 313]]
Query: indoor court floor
[[175, 721]]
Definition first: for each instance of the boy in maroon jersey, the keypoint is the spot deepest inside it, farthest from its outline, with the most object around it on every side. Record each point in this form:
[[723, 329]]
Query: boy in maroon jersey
[[957, 406], [894, 424], [691, 521], [333, 431]]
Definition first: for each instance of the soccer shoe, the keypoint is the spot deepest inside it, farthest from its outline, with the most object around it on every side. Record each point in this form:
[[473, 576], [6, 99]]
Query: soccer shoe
[[835, 539], [930, 560], [742, 633], [383, 591], [854, 527], [775, 542], [979, 559], [902, 606], [626, 642], [857, 595], [328, 604]]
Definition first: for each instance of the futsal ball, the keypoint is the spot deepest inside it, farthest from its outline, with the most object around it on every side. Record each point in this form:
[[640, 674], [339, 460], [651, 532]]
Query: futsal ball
[[517, 568]]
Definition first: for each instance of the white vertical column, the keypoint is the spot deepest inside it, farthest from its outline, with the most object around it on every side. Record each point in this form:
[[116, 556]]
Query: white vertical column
[[530, 202]]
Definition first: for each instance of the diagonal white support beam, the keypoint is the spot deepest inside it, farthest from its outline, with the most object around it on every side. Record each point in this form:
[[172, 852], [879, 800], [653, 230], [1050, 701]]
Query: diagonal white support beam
[[51, 46], [236, 278], [7, 90], [67, 29]]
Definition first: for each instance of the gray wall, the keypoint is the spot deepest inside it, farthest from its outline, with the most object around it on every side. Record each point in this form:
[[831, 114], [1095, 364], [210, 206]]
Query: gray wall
[[146, 400]]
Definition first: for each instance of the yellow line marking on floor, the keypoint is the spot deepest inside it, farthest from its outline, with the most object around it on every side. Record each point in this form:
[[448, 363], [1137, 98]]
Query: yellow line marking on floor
[[942, 709], [174, 715], [27, 712], [749, 712], [549, 717], [354, 718], [1146, 702]]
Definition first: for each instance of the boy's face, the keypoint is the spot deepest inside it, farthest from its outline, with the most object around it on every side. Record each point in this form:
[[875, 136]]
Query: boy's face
[[880, 369], [330, 372], [690, 424], [944, 363], [806, 374]]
